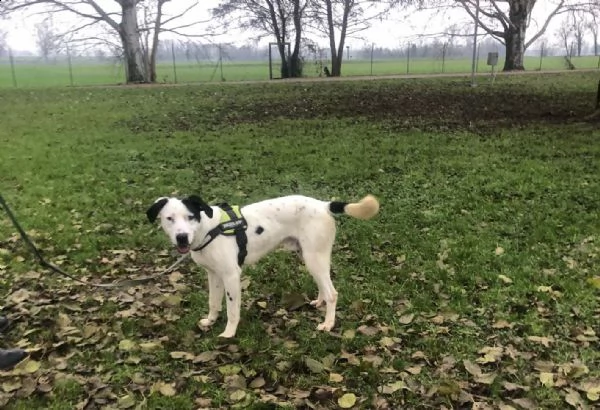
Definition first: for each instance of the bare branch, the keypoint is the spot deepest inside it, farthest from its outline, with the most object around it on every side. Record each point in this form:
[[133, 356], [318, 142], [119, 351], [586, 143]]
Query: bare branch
[[479, 22], [167, 21], [553, 13]]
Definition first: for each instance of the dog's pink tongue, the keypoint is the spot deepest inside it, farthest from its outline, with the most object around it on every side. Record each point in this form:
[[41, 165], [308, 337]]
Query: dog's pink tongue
[[183, 250]]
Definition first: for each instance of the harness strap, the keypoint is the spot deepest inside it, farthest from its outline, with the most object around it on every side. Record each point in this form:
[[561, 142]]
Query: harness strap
[[235, 226], [240, 233]]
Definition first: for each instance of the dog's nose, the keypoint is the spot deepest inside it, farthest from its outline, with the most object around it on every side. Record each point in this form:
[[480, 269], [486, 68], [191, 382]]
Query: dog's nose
[[182, 239]]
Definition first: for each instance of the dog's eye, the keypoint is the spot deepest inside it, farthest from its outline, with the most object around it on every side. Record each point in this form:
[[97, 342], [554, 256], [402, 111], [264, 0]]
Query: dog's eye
[[191, 217], [170, 219]]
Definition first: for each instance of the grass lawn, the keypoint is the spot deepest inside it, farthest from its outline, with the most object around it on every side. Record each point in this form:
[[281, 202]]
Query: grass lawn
[[30, 73], [477, 286]]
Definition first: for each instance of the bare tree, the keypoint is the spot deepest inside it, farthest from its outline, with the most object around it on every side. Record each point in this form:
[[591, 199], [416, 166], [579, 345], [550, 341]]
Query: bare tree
[[508, 21], [47, 40], [565, 35], [3, 43], [282, 19], [339, 19], [578, 20], [593, 25], [125, 24]]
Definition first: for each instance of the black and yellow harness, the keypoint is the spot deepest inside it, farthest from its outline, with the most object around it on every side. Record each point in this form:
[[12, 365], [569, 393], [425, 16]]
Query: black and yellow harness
[[232, 223]]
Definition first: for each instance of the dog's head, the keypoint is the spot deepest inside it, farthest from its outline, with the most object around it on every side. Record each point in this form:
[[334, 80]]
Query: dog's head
[[179, 218]]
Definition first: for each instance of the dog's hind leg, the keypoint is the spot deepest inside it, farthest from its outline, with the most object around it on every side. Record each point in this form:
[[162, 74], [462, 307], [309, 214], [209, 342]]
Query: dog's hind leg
[[233, 293], [319, 264], [215, 299]]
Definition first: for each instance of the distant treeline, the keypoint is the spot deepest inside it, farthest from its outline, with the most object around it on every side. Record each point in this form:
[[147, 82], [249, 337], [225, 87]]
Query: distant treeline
[[202, 53]]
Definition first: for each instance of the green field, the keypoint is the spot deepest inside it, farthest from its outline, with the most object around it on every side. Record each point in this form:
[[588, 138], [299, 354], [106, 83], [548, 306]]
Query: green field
[[477, 286], [28, 74]]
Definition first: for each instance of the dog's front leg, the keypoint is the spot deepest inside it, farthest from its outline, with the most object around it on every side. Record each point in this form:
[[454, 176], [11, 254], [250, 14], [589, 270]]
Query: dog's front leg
[[215, 299], [233, 293]]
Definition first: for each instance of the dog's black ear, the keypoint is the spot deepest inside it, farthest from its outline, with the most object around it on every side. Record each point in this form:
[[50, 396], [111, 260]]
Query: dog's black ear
[[196, 205], [155, 209]]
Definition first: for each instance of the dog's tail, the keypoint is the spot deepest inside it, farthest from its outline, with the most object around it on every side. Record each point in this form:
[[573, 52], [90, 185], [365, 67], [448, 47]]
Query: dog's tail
[[366, 208]]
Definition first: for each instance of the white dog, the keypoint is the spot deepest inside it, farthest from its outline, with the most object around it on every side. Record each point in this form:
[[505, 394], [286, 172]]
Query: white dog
[[297, 222]]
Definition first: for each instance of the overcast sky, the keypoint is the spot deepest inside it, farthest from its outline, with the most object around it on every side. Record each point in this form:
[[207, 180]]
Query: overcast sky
[[397, 31]]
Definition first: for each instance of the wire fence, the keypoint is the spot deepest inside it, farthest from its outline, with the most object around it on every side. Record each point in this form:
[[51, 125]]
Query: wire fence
[[23, 72]]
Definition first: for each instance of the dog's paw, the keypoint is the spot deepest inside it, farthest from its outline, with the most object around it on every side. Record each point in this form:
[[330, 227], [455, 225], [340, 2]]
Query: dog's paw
[[206, 322], [317, 303], [227, 335], [325, 327]]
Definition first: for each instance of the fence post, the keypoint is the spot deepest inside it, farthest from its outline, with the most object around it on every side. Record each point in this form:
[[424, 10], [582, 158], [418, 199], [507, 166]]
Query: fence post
[[174, 65], [373, 48], [444, 57], [474, 63], [12, 67], [408, 59], [70, 66], [541, 56], [221, 61]]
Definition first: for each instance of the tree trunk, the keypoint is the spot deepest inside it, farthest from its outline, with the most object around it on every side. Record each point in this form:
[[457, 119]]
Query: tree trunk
[[155, 40], [280, 37], [598, 98], [337, 69], [515, 35], [132, 49], [332, 47], [295, 63]]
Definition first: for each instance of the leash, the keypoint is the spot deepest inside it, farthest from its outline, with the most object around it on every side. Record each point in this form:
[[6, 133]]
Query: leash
[[56, 269]]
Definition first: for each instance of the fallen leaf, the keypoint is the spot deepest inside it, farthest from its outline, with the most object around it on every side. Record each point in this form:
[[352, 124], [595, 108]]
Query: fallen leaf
[[508, 386], [541, 339], [525, 403], [166, 389], [149, 346], [438, 320], [182, 355], [472, 368], [229, 369], [595, 282], [485, 378], [257, 383], [547, 379], [502, 324], [335, 378], [574, 399], [126, 402], [349, 334], [406, 319], [387, 341], [237, 395], [10, 386], [505, 279], [414, 369], [20, 296], [391, 388], [205, 357], [591, 389], [499, 251], [127, 345], [368, 330], [314, 365], [347, 400], [490, 354]]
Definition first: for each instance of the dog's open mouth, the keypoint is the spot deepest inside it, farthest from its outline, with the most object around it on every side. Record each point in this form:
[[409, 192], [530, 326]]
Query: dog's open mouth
[[183, 249]]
